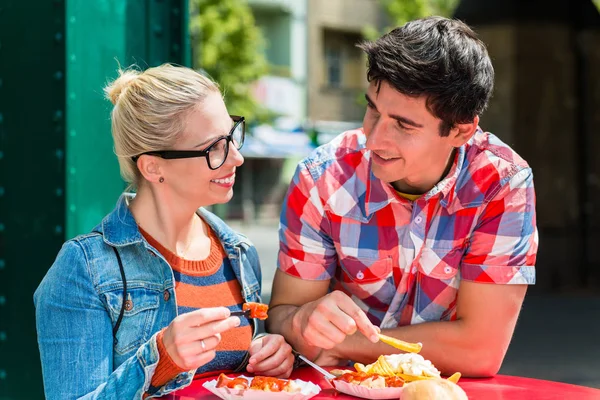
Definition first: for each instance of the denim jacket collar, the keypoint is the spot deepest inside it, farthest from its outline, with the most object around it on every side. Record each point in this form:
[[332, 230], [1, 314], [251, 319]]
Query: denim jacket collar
[[120, 228]]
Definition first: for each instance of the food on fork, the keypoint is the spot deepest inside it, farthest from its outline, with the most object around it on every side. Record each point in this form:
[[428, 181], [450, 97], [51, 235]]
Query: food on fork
[[257, 310]]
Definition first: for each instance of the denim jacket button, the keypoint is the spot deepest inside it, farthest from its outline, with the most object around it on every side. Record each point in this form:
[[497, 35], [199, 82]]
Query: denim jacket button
[[166, 295], [128, 305]]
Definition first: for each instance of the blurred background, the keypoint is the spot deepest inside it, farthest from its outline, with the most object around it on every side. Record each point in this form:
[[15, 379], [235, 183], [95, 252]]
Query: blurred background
[[292, 68]]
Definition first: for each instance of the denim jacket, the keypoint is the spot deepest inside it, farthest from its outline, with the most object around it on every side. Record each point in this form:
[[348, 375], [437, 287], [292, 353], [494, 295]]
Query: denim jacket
[[79, 300]]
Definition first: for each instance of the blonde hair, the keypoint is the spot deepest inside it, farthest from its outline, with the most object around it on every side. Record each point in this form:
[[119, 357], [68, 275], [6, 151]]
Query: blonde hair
[[150, 108]]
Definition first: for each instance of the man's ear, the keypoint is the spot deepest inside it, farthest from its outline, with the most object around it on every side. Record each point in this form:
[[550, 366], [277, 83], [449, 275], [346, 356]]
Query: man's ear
[[462, 133], [150, 168]]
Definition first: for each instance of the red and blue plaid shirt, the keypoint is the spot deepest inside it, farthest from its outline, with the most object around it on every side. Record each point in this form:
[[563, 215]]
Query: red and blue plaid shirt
[[402, 261]]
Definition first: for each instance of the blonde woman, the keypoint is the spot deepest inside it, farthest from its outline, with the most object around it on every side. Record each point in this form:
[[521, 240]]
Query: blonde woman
[[141, 304]]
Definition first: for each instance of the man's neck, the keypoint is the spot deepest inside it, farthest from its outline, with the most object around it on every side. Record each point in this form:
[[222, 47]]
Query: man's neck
[[417, 188]]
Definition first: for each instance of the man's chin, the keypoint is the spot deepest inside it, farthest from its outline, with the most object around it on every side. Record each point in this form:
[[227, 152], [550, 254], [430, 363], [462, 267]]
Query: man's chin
[[386, 176]]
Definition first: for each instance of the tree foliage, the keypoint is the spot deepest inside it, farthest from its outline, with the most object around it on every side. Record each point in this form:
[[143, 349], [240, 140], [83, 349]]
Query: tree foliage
[[402, 11], [227, 46]]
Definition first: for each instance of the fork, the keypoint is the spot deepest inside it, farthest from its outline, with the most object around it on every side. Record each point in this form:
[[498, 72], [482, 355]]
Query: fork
[[323, 372], [240, 313]]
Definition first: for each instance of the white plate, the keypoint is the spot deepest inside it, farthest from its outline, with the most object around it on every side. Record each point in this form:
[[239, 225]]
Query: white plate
[[367, 393], [309, 390]]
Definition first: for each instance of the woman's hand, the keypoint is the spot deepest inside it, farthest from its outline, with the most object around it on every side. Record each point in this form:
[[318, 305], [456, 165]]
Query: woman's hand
[[191, 338], [271, 356]]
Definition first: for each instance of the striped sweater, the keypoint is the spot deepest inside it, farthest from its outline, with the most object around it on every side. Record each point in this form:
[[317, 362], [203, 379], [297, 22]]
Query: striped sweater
[[201, 284]]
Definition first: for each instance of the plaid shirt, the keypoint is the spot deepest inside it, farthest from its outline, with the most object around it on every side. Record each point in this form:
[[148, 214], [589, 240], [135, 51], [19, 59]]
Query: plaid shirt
[[402, 261]]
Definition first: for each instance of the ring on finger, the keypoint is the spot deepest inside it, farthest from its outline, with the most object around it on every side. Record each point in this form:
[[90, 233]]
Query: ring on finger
[[202, 344]]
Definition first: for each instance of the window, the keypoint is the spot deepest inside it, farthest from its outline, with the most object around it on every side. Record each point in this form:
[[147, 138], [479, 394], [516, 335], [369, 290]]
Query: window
[[333, 62]]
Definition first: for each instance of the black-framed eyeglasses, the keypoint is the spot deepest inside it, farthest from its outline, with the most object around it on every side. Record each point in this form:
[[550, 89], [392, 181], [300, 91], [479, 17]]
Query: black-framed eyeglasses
[[215, 153]]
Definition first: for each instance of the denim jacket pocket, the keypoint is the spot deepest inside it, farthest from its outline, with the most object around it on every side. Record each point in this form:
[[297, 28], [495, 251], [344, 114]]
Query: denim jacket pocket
[[141, 307]]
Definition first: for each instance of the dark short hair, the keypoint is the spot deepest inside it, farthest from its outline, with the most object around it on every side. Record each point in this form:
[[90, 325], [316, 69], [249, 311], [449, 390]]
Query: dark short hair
[[439, 58]]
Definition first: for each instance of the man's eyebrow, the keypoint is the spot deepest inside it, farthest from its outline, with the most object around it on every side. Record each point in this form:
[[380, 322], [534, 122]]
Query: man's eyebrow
[[406, 121], [398, 118], [370, 101]]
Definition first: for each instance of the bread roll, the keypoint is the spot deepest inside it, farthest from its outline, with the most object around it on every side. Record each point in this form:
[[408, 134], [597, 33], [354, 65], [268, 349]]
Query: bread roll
[[433, 389]]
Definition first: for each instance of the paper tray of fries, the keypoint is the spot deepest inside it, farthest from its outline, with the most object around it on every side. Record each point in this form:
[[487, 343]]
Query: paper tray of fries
[[386, 377], [366, 392], [307, 390]]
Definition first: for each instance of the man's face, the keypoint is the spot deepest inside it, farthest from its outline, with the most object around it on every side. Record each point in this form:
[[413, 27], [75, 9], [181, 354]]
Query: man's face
[[403, 137]]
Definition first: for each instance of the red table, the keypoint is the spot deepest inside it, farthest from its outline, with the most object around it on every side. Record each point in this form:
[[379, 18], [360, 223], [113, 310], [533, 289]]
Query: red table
[[501, 387]]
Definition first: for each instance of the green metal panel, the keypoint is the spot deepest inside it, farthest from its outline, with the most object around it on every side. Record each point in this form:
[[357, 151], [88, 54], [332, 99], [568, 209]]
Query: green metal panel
[[58, 173], [100, 32], [32, 111], [96, 39]]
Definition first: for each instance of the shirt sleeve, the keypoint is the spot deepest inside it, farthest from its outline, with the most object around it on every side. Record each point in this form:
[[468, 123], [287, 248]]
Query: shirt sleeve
[[503, 246], [306, 250]]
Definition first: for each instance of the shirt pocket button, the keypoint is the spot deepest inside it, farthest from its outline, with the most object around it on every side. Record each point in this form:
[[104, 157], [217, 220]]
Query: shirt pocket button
[[166, 295]]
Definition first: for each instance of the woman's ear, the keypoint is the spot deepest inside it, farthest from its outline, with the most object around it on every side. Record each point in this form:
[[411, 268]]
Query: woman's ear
[[150, 168]]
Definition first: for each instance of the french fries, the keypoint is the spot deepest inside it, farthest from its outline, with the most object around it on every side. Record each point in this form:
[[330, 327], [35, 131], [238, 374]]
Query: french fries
[[400, 344], [454, 378], [408, 367]]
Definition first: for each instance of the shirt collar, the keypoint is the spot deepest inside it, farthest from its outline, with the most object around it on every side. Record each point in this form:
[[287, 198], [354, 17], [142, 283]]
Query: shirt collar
[[379, 194]]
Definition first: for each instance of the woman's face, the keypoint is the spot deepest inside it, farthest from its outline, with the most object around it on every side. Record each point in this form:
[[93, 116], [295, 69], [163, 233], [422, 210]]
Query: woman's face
[[191, 178]]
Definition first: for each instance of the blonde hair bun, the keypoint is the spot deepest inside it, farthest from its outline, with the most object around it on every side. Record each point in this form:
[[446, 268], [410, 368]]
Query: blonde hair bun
[[116, 87]]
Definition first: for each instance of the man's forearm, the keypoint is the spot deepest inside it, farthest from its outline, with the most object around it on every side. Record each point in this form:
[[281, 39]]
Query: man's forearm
[[447, 344], [280, 321]]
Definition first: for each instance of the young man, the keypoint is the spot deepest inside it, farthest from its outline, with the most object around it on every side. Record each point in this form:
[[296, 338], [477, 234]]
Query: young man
[[419, 224]]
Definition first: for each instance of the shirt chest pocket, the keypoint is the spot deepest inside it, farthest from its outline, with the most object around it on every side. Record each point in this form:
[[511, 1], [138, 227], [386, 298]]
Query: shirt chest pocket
[[437, 283], [140, 312], [366, 270]]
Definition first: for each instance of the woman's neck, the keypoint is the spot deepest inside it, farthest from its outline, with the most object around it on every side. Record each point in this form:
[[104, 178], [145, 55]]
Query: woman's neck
[[174, 224]]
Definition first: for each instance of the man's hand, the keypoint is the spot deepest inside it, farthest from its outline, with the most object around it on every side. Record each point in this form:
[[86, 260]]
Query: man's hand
[[271, 356], [327, 321]]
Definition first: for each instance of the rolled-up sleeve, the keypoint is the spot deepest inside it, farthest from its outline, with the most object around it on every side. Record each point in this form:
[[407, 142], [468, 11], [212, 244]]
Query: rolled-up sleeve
[[306, 250]]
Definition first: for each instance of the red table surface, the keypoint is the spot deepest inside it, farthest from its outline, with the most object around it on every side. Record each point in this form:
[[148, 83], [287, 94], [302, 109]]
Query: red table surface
[[501, 387]]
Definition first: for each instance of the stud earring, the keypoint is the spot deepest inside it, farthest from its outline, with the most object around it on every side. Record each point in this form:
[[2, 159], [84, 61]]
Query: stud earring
[[161, 179]]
